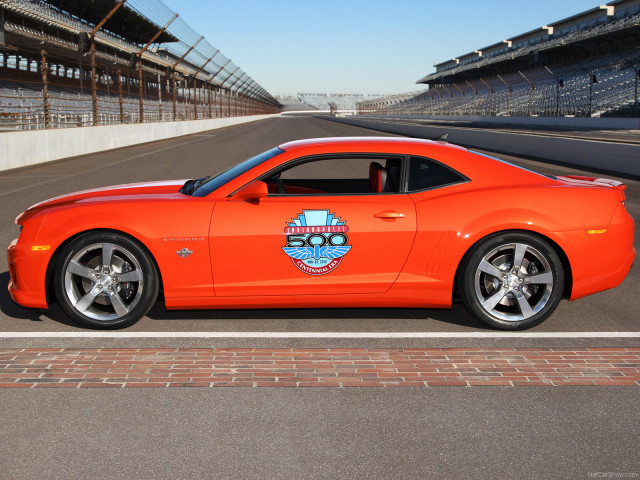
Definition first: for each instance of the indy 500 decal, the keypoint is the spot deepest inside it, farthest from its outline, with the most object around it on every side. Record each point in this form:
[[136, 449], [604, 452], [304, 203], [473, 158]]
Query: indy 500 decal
[[316, 241]]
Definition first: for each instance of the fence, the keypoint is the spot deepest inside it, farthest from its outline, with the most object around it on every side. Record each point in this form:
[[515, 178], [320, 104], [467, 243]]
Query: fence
[[56, 71]]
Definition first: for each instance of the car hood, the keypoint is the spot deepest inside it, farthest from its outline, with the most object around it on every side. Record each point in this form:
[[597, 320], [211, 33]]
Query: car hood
[[129, 190]]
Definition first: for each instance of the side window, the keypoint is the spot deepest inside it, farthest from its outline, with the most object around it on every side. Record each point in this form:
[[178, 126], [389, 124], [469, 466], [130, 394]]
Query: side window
[[337, 175], [425, 173]]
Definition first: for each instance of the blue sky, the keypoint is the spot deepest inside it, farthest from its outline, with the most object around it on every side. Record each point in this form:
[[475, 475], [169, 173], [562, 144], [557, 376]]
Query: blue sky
[[359, 46]]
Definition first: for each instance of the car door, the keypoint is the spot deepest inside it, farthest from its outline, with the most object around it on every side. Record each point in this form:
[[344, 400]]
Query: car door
[[293, 243]]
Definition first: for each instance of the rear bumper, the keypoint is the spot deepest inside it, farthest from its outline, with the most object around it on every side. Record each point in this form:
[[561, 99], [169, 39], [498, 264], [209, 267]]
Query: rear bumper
[[602, 261], [606, 280]]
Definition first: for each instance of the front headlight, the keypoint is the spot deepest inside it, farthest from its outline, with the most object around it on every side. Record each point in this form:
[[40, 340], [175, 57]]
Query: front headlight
[[24, 219]]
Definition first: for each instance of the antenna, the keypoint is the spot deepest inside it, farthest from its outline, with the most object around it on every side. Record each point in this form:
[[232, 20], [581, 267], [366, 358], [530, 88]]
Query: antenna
[[442, 138]]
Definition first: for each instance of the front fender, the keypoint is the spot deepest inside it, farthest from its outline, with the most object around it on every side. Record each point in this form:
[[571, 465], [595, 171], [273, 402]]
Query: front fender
[[163, 229]]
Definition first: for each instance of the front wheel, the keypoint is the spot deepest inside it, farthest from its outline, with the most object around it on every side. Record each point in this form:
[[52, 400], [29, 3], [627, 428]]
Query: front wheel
[[512, 281], [105, 280]]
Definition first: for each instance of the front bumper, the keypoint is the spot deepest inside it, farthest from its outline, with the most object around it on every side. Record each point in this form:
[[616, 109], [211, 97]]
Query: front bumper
[[28, 274]]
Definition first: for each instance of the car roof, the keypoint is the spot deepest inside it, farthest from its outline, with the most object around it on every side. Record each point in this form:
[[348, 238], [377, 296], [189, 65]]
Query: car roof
[[481, 168], [365, 143]]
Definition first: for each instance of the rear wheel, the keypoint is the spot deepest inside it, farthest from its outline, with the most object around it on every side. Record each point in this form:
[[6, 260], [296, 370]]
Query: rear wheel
[[512, 281], [105, 280]]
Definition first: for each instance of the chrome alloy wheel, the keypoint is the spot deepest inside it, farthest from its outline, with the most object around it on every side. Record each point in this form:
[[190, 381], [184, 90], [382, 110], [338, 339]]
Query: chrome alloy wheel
[[513, 282], [104, 281]]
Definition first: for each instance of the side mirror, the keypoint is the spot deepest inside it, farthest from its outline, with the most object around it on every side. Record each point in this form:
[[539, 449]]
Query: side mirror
[[252, 192]]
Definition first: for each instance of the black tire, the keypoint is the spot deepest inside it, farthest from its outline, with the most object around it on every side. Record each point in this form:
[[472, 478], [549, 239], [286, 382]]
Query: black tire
[[508, 296], [112, 294]]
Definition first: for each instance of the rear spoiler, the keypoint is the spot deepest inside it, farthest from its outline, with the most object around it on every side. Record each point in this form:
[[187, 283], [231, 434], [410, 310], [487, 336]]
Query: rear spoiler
[[604, 182]]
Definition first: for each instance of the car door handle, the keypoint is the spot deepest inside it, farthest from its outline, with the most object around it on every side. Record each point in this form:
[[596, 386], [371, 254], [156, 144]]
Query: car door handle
[[389, 214]]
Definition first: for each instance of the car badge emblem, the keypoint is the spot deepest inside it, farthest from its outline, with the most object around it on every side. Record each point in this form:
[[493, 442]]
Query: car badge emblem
[[184, 253], [316, 241]]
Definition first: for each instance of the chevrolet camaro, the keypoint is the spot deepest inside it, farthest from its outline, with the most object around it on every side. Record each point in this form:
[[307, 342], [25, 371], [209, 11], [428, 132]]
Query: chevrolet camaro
[[333, 222]]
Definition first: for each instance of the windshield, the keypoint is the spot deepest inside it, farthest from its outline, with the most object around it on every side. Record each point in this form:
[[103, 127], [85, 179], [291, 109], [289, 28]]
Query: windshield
[[215, 182]]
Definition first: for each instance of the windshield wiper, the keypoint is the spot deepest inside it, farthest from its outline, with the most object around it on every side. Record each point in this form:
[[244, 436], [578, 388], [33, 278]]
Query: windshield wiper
[[191, 186]]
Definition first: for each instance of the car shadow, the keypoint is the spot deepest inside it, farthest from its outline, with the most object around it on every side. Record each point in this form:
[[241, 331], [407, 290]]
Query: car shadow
[[11, 309], [457, 316]]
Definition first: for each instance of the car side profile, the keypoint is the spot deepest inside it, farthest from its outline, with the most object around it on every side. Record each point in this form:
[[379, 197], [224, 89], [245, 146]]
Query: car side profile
[[330, 222]]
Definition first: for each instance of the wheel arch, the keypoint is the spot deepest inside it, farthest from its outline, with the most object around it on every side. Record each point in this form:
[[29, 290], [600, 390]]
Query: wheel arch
[[566, 265], [49, 284]]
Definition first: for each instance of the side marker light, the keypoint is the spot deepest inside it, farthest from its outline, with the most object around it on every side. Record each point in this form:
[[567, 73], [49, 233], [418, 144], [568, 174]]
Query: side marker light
[[40, 248], [596, 232]]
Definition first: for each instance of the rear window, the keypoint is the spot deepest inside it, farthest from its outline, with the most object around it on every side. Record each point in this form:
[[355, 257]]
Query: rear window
[[425, 173]]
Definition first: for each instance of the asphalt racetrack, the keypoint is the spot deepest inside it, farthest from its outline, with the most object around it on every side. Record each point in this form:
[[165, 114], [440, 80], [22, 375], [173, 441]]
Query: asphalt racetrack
[[452, 432], [207, 153]]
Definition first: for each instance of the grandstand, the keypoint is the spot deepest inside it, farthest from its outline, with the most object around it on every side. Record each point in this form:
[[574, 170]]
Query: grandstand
[[67, 63], [333, 102], [341, 101], [587, 65], [291, 103]]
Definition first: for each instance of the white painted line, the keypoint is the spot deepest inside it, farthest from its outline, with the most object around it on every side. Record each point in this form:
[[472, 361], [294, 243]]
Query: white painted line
[[294, 335]]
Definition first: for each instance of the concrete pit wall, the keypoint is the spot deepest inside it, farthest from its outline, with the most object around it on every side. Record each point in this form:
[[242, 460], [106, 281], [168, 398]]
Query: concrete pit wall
[[618, 158], [23, 148], [602, 123]]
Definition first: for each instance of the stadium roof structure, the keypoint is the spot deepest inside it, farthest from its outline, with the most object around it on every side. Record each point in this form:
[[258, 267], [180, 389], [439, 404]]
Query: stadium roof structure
[[615, 24], [142, 32], [125, 22]]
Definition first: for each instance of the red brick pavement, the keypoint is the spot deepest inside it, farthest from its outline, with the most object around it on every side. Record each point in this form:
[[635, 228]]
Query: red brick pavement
[[415, 367]]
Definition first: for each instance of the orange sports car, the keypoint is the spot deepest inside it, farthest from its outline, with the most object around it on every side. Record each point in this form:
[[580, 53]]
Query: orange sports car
[[333, 222]]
